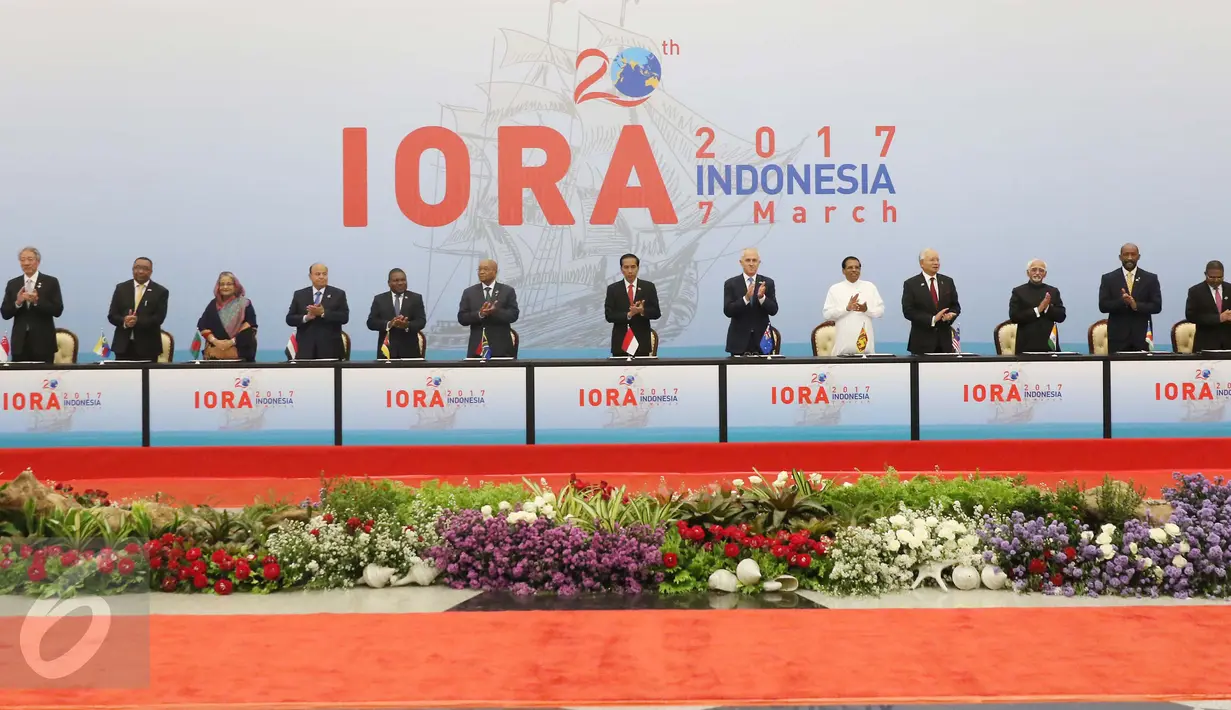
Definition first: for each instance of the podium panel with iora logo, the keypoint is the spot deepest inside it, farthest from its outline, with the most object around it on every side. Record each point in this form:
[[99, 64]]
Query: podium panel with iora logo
[[1170, 398], [70, 406]]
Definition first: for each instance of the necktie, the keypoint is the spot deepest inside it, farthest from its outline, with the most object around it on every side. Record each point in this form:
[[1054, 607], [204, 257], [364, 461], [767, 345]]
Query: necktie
[[1128, 278], [29, 285], [140, 293], [1218, 298], [397, 304], [752, 280], [932, 286], [631, 294], [316, 300], [487, 293]]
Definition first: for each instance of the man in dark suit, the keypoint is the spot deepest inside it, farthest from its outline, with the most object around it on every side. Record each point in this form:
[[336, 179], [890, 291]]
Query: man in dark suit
[[630, 306], [1036, 307], [399, 314], [138, 309], [1208, 308], [749, 301], [929, 302], [1129, 296], [317, 313], [33, 302], [489, 308]]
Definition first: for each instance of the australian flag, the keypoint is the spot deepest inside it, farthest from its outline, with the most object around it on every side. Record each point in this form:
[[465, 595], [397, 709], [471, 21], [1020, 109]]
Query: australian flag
[[767, 341]]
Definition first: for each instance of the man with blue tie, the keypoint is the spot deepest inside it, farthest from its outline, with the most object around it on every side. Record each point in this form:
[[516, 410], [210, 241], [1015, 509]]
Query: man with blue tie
[[749, 300], [317, 314]]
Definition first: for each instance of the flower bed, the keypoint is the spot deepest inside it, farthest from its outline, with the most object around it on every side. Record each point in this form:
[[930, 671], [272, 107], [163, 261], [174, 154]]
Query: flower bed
[[795, 530]]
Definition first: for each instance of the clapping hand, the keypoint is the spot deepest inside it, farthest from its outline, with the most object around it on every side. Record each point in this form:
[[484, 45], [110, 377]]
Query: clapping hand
[[315, 311], [855, 305], [400, 321], [130, 320], [1128, 299], [638, 308], [1045, 302], [945, 315]]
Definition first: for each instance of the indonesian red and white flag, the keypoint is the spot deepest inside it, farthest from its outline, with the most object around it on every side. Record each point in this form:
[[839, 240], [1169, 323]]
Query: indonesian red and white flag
[[630, 342], [5, 350]]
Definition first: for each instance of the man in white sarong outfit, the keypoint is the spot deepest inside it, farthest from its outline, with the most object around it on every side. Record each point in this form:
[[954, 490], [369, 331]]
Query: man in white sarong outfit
[[851, 305]]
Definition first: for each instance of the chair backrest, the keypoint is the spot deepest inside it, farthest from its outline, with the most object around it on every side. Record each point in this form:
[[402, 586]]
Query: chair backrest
[[1183, 336], [1005, 338], [823, 339], [66, 347], [345, 345], [516, 341], [1097, 337], [777, 337], [168, 347], [422, 345], [653, 342]]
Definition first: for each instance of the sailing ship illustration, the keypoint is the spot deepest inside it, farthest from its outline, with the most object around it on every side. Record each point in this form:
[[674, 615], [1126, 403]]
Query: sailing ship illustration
[[1206, 410], [245, 419], [53, 420], [820, 414], [561, 272], [1015, 412]]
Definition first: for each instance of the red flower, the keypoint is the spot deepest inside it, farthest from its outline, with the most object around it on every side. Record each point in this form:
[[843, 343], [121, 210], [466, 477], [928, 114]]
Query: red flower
[[169, 584], [68, 559], [6, 563], [696, 533], [223, 587], [200, 581], [173, 565], [327, 517], [670, 559], [226, 565], [184, 573], [132, 548], [1037, 566], [54, 550], [271, 570], [126, 566], [779, 551], [352, 523], [717, 531], [6, 549], [315, 532], [803, 560], [709, 546], [26, 551], [106, 566], [269, 559], [199, 567], [1057, 579], [1070, 553], [731, 550], [36, 573], [193, 554], [219, 555], [242, 570], [155, 563]]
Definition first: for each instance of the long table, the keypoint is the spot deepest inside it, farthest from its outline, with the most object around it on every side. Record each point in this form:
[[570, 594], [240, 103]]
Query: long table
[[614, 401]]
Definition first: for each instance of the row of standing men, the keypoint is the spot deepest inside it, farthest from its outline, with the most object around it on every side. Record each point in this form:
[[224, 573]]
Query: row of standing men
[[1130, 296]]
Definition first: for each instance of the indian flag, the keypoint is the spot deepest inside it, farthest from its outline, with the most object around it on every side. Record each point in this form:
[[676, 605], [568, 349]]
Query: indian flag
[[1053, 339]]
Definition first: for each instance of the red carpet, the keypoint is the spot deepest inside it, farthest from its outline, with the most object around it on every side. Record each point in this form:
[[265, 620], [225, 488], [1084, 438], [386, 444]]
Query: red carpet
[[816, 657]]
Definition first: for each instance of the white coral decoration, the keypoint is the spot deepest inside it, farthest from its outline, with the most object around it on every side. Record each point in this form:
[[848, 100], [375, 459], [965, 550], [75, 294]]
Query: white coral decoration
[[748, 572], [724, 580]]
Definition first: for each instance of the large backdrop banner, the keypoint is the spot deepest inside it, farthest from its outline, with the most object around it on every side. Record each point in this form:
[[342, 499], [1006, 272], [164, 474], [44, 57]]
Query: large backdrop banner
[[556, 135]]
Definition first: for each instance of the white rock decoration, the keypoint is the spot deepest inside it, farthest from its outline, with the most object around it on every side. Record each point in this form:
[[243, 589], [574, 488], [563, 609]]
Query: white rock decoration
[[772, 585], [724, 580], [965, 577], [748, 572], [994, 577]]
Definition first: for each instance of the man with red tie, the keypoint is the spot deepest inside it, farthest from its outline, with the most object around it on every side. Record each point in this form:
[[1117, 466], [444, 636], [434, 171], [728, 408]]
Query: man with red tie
[[929, 302], [1209, 308], [631, 305]]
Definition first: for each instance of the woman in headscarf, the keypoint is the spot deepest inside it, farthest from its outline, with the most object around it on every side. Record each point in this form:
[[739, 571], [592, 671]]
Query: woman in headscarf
[[229, 322]]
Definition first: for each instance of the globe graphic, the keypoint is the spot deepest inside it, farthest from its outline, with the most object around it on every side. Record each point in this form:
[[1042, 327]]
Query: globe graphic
[[635, 72]]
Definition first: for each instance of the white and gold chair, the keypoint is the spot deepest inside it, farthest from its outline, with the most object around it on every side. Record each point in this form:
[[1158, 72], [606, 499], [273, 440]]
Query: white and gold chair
[[345, 345], [422, 345], [1096, 338], [168, 347], [66, 347], [1183, 336], [822, 339], [517, 341], [1005, 338]]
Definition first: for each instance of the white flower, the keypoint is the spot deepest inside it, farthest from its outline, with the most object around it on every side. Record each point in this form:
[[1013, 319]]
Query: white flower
[[847, 484], [815, 478], [754, 480], [783, 475], [539, 501], [1108, 528], [1109, 551], [313, 566], [505, 505], [738, 483], [1158, 535], [1102, 539], [893, 546], [1184, 548], [897, 520], [548, 512], [1172, 529], [779, 484], [549, 497], [1087, 536], [931, 521], [529, 507], [486, 511], [1147, 563], [1132, 547], [905, 536], [1178, 562]]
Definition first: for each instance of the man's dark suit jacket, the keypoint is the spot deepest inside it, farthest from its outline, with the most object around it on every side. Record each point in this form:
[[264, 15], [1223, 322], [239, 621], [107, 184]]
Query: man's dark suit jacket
[[917, 307], [403, 342], [498, 324], [615, 308], [321, 337], [1126, 328], [1034, 330], [34, 324], [748, 320], [142, 342], [1201, 310]]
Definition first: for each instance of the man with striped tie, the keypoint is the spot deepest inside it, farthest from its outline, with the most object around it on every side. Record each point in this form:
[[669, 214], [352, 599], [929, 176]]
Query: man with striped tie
[[1036, 308], [630, 306], [317, 313]]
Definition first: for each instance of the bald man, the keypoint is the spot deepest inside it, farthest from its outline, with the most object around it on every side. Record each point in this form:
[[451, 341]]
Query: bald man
[[929, 302], [748, 300], [1036, 308], [489, 308], [317, 314], [1129, 296]]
